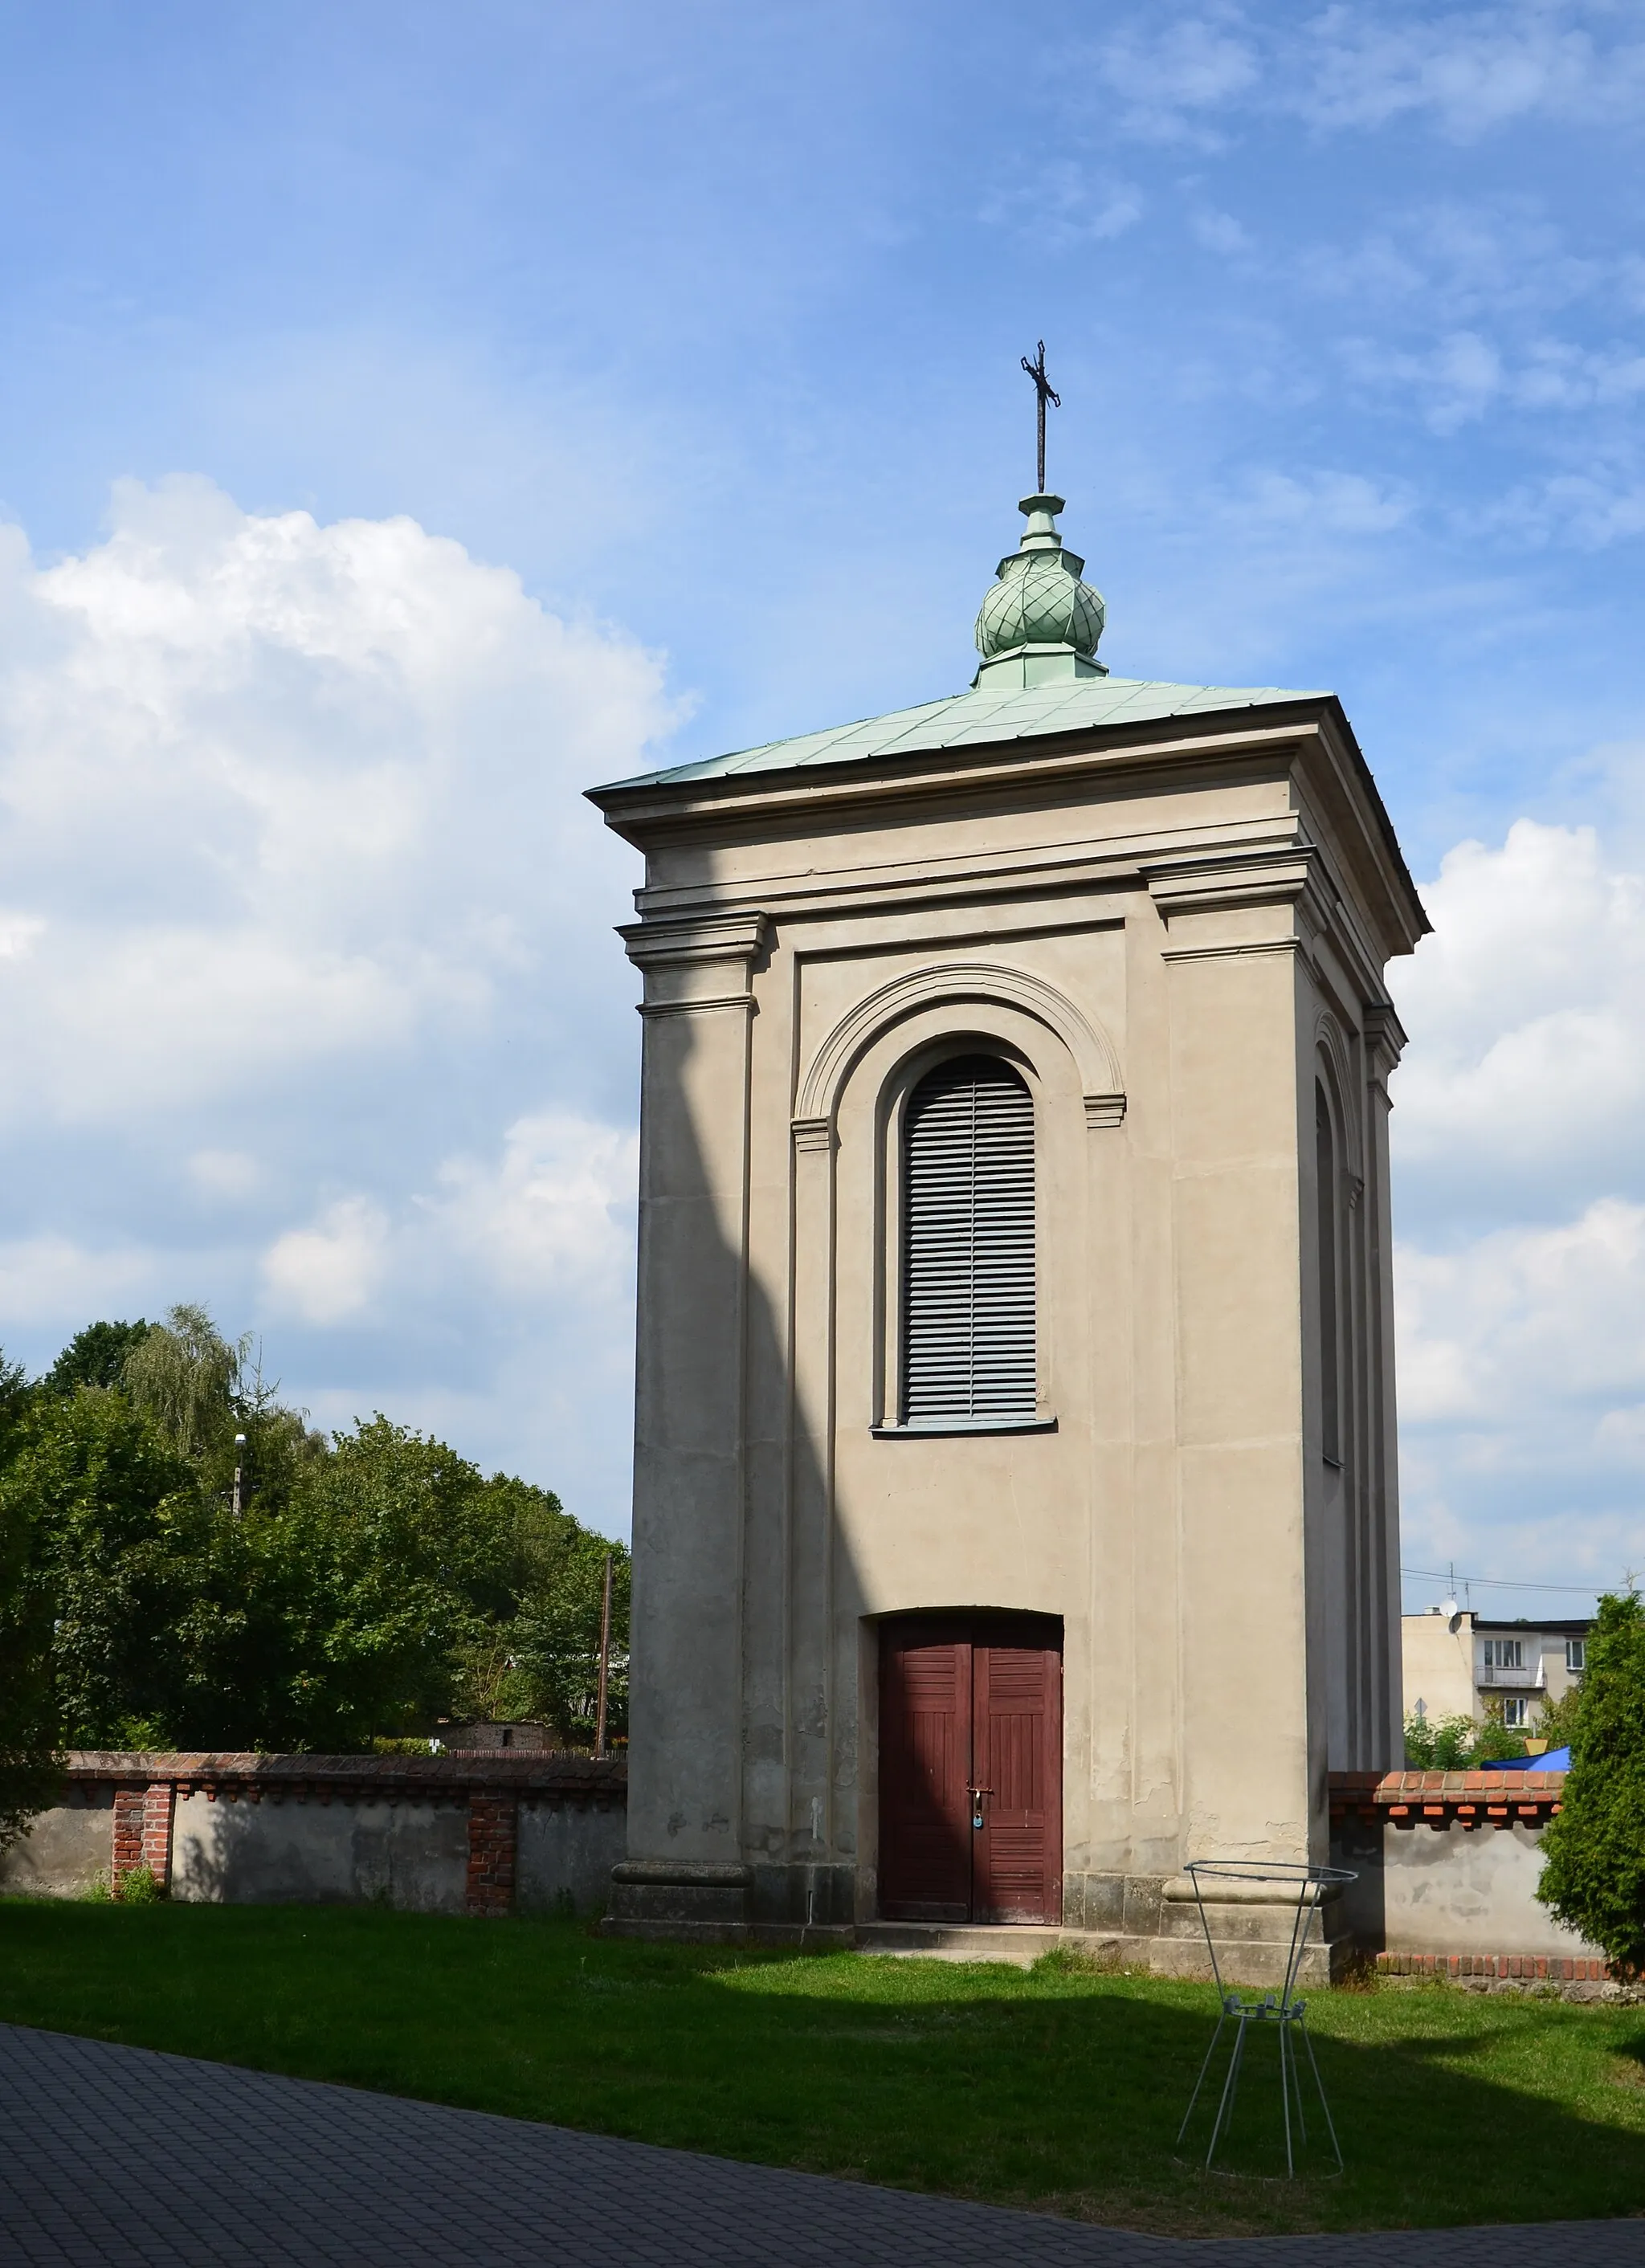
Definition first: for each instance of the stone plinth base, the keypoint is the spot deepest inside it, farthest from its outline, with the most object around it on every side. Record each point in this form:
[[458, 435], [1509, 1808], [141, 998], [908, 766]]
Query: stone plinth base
[[811, 1908], [656, 1897], [1252, 1962], [1251, 1924], [800, 1905]]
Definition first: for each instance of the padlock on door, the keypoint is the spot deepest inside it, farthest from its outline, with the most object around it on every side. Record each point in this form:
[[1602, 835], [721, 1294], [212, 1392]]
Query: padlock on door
[[977, 1793]]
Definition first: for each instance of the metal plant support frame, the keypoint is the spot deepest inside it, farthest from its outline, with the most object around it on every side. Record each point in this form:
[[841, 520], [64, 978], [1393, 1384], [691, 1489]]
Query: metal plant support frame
[[1285, 2009]]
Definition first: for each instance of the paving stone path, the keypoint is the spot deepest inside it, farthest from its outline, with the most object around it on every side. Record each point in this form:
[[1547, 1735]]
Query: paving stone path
[[116, 2157]]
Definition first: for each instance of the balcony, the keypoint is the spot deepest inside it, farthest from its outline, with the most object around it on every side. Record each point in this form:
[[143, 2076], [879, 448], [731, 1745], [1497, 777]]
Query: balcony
[[1500, 1680]]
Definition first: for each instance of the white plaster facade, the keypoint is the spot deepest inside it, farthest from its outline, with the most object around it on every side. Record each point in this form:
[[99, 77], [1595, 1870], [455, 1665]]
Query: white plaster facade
[[1176, 925]]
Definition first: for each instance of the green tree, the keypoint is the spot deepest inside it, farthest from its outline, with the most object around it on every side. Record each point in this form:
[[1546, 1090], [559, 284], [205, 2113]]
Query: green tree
[[94, 1357], [1593, 1870], [185, 1377], [28, 1767], [363, 1586], [1556, 1722], [388, 1561], [555, 1639], [114, 1518]]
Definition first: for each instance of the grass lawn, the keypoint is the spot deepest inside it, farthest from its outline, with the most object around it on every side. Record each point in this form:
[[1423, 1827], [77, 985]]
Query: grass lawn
[[1056, 2088]]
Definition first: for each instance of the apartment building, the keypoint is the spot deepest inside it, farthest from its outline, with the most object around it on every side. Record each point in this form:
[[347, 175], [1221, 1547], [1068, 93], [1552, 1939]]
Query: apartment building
[[1456, 1664]]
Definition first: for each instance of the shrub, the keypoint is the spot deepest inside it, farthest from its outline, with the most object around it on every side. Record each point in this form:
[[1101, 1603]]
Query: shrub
[[1593, 1873], [1439, 1743], [1459, 1743]]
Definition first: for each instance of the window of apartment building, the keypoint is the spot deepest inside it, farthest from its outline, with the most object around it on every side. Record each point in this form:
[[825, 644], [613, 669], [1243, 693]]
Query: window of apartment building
[[1504, 1653], [1575, 1654], [969, 1350], [1515, 1711]]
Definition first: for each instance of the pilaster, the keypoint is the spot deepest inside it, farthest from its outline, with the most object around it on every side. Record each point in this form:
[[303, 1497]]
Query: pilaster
[[690, 1388]]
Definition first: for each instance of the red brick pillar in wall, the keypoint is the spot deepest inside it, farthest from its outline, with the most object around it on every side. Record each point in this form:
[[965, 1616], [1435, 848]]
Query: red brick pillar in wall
[[126, 1854], [143, 1833], [493, 1831], [158, 1802]]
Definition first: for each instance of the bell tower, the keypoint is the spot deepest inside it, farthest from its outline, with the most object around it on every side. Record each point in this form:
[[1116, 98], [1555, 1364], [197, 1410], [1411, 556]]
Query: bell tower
[[1015, 1509]]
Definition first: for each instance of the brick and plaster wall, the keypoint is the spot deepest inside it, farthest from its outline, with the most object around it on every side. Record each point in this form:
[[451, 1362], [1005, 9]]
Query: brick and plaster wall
[[483, 1833], [1448, 1865]]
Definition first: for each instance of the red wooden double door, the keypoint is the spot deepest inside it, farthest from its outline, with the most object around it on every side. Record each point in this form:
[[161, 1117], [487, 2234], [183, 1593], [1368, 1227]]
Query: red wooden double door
[[971, 1768]]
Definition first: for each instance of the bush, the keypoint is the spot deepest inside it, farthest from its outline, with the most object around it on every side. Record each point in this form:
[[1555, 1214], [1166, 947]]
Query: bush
[[1593, 1871], [1459, 1743]]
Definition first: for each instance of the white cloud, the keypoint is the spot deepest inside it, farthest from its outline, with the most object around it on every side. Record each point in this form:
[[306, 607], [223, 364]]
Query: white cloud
[[1466, 71], [1520, 1193], [1527, 1014], [1589, 510], [308, 999], [1522, 1319], [1334, 503], [1173, 79], [1222, 233], [226, 1174], [278, 794], [331, 1272], [1456, 379], [1061, 207], [550, 1215], [1194, 76], [50, 1279], [555, 1208]]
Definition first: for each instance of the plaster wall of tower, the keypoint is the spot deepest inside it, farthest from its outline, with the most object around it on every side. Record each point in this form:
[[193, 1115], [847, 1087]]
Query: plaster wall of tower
[[1178, 936]]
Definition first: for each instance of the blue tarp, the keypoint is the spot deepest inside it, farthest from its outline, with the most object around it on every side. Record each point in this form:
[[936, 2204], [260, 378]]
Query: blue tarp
[[1554, 1760]]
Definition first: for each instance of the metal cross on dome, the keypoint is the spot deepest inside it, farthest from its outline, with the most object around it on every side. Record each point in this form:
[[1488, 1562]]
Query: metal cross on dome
[[1044, 390]]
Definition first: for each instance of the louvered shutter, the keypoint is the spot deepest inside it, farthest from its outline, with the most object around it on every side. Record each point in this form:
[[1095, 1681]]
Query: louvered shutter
[[968, 1246]]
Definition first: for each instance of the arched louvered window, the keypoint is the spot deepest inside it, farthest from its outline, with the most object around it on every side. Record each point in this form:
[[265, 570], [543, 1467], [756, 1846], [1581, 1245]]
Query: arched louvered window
[[968, 1247]]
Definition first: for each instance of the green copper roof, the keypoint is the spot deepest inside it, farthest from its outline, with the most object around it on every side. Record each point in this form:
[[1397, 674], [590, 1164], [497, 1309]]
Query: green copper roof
[[975, 720]]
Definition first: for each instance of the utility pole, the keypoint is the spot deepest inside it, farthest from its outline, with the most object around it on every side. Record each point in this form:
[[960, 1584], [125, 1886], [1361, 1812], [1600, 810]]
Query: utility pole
[[605, 1662], [240, 1455]]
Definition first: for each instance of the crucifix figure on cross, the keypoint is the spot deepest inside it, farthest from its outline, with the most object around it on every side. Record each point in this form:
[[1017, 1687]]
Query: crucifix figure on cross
[[1042, 388]]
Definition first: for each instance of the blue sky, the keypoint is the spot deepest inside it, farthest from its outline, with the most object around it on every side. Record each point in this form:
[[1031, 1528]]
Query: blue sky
[[649, 377]]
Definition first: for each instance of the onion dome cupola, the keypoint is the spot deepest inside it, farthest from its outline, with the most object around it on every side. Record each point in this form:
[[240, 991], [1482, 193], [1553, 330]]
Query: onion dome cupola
[[1039, 623]]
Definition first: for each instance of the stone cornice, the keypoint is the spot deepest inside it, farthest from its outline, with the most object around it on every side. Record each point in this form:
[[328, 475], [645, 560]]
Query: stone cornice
[[1384, 1038], [1310, 736], [735, 935], [1283, 874], [697, 960]]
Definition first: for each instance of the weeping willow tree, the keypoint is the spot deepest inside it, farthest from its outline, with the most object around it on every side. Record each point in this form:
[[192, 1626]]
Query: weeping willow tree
[[186, 1379]]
